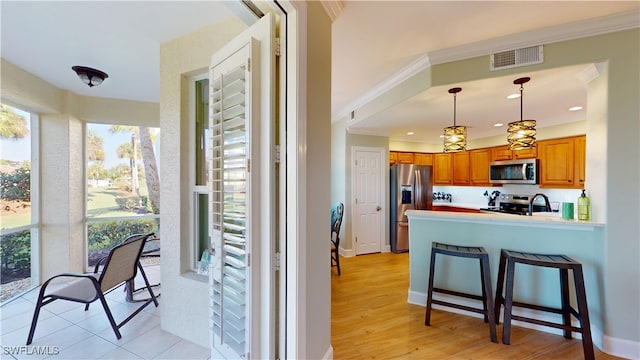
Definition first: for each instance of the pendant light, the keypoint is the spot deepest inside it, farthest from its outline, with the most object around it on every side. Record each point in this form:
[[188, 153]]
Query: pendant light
[[455, 137], [521, 134]]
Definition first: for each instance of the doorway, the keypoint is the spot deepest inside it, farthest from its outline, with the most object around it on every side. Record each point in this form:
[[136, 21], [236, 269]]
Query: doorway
[[368, 203]]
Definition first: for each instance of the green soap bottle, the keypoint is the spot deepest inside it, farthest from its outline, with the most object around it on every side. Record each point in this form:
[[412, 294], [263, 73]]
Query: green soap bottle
[[584, 207]]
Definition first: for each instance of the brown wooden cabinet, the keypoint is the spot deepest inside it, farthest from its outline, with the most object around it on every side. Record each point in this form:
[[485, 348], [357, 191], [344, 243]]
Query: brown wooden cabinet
[[405, 157], [393, 157], [503, 153], [562, 162], [460, 172], [479, 160], [500, 153], [423, 159], [442, 169], [524, 154], [580, 161]]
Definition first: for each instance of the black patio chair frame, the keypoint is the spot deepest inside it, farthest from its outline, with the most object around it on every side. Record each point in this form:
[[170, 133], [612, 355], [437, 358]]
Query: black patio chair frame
[[120, 266]]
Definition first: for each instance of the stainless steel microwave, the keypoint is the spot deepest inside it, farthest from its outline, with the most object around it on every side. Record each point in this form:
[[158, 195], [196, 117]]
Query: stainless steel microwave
[[514, 172]]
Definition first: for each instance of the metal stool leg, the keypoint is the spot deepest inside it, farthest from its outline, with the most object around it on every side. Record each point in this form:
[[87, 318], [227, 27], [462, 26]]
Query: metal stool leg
[[566, 305], [508, 304], [488, 297], [499, 299], [432, 267], [587, 342]]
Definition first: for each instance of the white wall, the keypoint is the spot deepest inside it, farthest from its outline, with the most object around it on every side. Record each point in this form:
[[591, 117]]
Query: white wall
[[184, 294]]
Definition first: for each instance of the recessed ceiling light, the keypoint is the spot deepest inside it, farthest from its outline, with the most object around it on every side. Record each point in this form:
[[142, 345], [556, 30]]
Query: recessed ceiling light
[[513, 96], [575, 108], [498, 124], [410, 133]]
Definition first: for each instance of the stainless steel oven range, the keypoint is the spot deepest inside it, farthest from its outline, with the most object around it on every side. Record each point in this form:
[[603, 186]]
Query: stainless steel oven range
[[519, 204]]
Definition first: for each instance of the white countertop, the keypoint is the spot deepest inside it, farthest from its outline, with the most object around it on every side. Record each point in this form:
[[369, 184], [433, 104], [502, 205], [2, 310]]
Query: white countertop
[[540, 219]]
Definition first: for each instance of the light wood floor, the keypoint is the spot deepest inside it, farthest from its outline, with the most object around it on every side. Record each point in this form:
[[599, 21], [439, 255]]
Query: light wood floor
[[371, 319]]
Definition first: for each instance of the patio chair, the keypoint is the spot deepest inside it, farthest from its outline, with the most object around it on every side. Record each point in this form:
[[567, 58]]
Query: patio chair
[[120, 266]]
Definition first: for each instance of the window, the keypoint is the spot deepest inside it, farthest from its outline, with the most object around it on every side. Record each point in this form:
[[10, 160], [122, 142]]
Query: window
[[123, 190], [18, 220], [201, 143]]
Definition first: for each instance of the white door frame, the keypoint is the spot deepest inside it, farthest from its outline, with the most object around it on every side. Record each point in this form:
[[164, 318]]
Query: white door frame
[[384, 243]]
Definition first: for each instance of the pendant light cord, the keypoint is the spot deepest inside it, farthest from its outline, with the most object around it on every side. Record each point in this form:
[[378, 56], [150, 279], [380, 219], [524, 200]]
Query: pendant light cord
[[454, 109], [521, 91]]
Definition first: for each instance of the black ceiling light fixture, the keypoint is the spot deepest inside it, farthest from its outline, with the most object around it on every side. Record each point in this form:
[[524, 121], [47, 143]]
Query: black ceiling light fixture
[[90, 76], [521, 134], [455, 137]]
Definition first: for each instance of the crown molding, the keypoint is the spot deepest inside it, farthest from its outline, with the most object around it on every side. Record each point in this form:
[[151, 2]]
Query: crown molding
[[333, 8], [571, 31], [412, 69]]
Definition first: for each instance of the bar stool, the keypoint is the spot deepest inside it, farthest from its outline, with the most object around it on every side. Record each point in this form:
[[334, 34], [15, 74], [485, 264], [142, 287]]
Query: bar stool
[[485, 277], [508, 260]]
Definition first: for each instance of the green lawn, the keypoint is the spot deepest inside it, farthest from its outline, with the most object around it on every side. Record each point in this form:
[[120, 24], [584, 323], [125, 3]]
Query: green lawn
[[11, 221], [102, 202]]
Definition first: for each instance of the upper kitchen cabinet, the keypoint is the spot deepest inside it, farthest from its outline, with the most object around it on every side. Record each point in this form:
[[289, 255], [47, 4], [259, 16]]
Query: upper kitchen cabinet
[[580, 160], [562, 162], [500, 153], [460, 168], [422, 159], [524, 154], [479, 160], [442, 169], [393, 157], [503, 153], [405, 158], [400, 157]]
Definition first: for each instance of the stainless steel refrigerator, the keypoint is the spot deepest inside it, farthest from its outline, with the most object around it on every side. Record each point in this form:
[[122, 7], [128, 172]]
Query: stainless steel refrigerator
[[411, 189]]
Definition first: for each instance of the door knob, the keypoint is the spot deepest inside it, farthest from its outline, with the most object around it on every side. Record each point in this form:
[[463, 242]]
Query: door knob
[[378, 208]]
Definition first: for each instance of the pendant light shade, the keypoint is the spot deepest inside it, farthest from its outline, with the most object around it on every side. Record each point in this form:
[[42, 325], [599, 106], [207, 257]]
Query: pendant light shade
[[455, 137], [521, 134]]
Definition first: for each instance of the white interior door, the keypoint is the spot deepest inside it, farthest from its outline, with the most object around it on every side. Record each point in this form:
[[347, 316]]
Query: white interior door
[[242, 178], [369, 207]]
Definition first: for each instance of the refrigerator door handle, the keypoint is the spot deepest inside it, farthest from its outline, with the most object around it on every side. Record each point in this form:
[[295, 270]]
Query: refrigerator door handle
[[417, 182]]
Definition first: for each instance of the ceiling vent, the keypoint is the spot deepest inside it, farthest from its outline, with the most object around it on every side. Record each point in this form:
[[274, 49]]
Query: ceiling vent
[[514, 58]]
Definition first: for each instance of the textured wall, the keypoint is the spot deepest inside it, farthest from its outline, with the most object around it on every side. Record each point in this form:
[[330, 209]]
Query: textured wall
[[184, 296]]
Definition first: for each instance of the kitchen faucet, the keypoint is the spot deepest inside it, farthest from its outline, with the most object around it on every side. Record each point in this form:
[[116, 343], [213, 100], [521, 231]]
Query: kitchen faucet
[[546, 203]]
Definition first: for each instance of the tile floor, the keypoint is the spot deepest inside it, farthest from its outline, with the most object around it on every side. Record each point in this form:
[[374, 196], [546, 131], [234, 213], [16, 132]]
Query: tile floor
[[66, 331]]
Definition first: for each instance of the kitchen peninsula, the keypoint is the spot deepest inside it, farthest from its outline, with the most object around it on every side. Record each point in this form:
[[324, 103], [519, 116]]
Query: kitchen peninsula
[[582, 241]]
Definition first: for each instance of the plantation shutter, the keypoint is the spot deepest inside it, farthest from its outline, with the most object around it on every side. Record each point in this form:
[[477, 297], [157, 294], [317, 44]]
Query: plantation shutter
[[240, 309]]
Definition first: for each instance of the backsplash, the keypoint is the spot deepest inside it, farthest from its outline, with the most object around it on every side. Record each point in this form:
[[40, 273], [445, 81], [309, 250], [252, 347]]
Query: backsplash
[[474, 195]]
